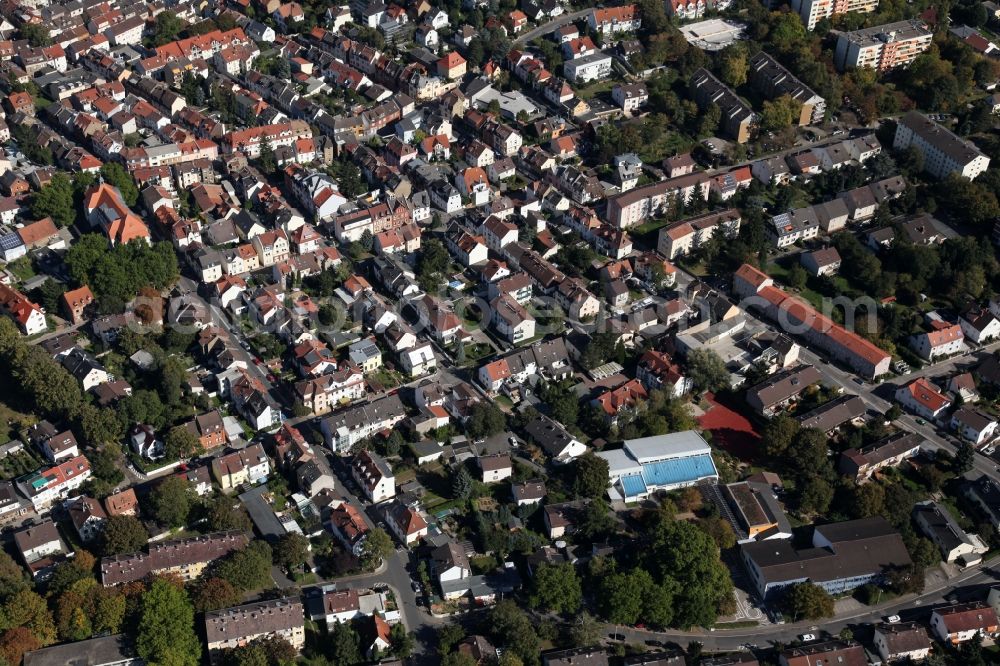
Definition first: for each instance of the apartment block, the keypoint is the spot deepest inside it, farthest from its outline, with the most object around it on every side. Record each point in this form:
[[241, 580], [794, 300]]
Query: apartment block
[[738, 119], [230, 628], [882, 47], [773, 80], [813, 11], [944, 152]]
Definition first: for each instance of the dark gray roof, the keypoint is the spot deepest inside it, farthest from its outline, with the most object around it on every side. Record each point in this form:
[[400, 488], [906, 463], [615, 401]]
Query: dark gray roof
[[93, 652]]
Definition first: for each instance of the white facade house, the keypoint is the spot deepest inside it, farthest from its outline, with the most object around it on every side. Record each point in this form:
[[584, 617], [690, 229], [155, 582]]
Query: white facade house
[[419, 360], [944, 152], [588, 68], [973, 425]]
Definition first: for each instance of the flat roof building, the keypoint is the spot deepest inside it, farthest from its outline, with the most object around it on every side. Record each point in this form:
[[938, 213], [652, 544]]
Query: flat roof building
[[662, 462]]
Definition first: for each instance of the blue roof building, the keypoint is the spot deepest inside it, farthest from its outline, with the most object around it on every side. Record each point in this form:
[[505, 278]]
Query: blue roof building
[[663, 462]]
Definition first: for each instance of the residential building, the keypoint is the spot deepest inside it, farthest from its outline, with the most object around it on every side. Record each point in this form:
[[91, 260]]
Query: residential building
[[374, 476], [738, 119], [511, 320], [587, 68], [902, 642], [813, 11], [186, 558], [773, 80], [234, 627], [781, 389], [829, 416], [974, 425], [249, 465], [495, 468], [684, 237], [955, 544], [642, 203], [821, 262], [344, 428], [958, 623], [554, 439], [349, 526], [922, 398], [839, 652], [116, 650], [28, 316], [50, 484], [406, 523], [864, 357], [882, 47], [944, 152], [942, 340], [890, 451], [40, 548], [610, 20]]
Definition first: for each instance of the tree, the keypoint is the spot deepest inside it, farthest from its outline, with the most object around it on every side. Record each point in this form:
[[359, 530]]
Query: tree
[[377, 546], [171, 501], [55, 200], [596, 520], [123, 534], [557, 588], [181, 443], [215, 593], [291, 551], [685, 560], [267, 162], [620, 598], [458, 659], [585, 630], [462, 484], [248, 569], [797, 277], [37, 35], [27, 609], [401, 640], [15, 642], [734, 65], [591, 478], [167, 27], [166, 632], [433, 264], [225, 513], [115, 174], [100, 426], [485, 420], [707, 370], [807, 601], [965, 458], [511, 628], [779, 113], [345, 644]]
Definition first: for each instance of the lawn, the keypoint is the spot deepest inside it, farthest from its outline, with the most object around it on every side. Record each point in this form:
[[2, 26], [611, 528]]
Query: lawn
[[594, 89]]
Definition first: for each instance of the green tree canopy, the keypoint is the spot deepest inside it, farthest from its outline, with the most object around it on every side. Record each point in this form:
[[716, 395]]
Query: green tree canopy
[[55, 200], [123, 534], [557, 588], [807, 601], [166, 633], [707, 370], [591, 476], [171, 501]]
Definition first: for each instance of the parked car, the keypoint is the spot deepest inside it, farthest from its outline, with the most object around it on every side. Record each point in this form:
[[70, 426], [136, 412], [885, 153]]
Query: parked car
[[805, 638]]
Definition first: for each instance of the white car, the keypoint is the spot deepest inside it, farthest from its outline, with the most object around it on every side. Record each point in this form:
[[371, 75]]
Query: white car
[[805, 638], [513, 441], [892, 619]]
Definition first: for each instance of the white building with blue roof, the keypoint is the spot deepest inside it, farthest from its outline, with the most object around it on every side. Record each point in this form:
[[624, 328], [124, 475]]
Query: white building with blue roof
[[662, 462]]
